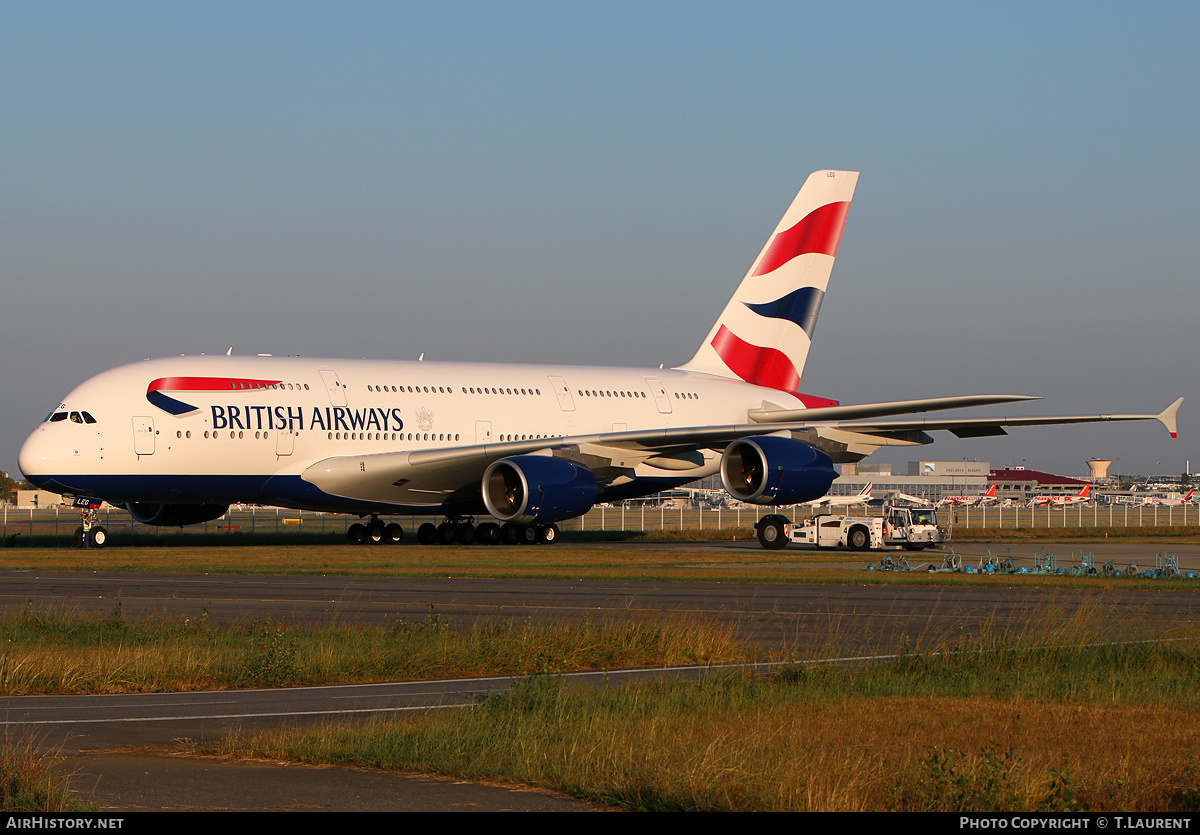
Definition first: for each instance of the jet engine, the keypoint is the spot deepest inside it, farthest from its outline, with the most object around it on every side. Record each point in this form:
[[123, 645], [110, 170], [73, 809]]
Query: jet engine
[[175, 515], [774, 470], [531, 489]]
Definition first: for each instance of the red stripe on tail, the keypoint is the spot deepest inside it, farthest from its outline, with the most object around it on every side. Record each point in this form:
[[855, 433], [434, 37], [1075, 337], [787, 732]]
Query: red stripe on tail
[[754, 364], [818, 231]]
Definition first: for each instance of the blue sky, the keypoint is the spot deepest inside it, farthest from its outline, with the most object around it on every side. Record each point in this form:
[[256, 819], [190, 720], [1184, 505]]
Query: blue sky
[[587, 185]]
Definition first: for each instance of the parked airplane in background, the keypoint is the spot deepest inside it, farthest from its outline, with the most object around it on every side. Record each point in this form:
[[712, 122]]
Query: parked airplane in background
[[969, 501], [1079, 498], [176, 441], [1159, 500], [862, 497]]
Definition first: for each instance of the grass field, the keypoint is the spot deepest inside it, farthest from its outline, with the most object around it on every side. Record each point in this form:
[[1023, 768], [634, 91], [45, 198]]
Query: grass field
[[1042, 720], [1046, 717], [680, 561]]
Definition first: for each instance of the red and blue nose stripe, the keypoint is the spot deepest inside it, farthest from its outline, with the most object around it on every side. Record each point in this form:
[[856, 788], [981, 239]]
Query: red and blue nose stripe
[[155, 391]]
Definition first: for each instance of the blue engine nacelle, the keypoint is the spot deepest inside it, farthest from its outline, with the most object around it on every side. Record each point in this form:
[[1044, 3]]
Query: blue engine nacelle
[[175, 515], [774, 470], [538, 489]]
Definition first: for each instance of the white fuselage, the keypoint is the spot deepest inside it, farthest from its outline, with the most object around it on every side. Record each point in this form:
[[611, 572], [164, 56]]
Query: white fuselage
[[249, 427]]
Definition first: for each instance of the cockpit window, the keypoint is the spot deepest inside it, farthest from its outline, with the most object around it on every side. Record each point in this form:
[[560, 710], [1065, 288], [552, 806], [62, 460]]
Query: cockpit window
[[75, 417]]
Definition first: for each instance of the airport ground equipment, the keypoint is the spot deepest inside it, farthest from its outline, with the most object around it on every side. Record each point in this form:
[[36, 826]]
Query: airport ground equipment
[[1166, 565], [991, 563], [950, 563], [890, 563], [911, 528], [1044, 562], [1085, 565]]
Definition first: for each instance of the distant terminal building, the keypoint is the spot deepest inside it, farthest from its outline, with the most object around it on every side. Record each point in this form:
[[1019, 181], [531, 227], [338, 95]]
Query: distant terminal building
[[1019, 484], [931, 481], [927, 480]]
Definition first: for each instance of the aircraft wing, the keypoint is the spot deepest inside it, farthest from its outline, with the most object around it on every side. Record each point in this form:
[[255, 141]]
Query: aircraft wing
[[978, 427], [869, 410], [453, 474]]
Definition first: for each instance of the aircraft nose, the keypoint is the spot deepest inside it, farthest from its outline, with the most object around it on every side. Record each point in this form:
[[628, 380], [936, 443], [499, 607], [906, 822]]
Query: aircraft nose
[[40, 457]]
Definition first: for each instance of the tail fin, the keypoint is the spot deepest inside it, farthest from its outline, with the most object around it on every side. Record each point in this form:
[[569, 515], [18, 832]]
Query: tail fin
[[991, 493], [764, 333]]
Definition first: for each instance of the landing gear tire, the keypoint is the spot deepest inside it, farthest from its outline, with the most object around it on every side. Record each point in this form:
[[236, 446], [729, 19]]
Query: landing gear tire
[[548, 535], [375, 532], [527, 535], [859, 539], [509, 534], [78, 537], [771, 533], [464, 533], [445, 533], [427, 533], [488, 533], [356, 534], [393, 534], [98, 537]]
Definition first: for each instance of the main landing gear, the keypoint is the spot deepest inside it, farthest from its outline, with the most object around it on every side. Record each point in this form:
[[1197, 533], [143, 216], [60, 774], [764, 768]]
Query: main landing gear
[[456, 530], [464, 532], [374, 532]]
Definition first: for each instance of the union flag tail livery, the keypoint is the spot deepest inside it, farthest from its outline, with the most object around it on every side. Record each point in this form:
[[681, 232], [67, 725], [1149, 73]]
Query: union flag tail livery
[[764, 332]]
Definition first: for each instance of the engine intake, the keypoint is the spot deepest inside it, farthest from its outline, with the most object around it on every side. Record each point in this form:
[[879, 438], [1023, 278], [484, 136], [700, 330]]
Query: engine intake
[[175, 515], [776, 471], [538, 489]]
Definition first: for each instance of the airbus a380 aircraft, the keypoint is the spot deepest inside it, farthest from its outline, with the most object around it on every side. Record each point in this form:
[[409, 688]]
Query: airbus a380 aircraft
[[176, 441]]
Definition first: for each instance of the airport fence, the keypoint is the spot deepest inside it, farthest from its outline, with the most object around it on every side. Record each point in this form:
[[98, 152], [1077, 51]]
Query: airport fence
[[63, 521]]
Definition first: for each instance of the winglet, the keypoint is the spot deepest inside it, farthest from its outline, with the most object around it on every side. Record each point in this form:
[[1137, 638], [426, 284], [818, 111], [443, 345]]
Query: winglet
[[1167, 417]]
